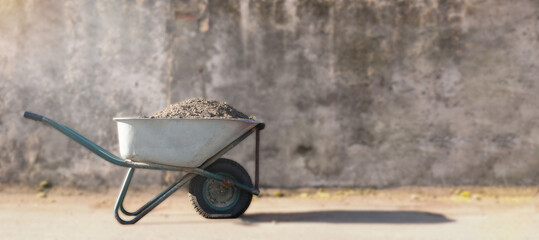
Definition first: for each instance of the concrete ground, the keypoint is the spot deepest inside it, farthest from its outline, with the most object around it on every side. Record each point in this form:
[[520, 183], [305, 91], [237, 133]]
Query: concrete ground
[[402, 213]]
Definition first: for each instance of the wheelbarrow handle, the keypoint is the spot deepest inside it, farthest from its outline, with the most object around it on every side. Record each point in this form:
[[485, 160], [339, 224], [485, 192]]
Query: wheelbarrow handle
[[33, 116]]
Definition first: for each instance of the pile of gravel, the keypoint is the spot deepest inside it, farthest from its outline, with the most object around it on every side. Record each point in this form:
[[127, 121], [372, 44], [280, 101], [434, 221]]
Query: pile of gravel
[[200, 108]]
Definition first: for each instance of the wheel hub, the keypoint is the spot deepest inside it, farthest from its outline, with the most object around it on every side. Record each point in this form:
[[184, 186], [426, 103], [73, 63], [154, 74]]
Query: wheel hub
[[220, 195]]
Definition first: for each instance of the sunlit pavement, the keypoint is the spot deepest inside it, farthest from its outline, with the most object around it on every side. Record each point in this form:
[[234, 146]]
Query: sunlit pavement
[[403, 213]]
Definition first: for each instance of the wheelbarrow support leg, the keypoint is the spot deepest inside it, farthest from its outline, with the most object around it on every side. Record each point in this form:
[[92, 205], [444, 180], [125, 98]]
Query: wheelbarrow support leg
[[141, 212], [257, 156]]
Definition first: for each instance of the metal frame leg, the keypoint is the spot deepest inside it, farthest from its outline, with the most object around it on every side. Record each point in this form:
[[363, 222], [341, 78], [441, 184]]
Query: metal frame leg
[[142, 211], [257, 157]]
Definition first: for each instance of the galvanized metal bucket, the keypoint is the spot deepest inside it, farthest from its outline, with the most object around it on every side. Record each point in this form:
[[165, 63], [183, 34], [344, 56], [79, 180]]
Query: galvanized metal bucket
[[177, 142]]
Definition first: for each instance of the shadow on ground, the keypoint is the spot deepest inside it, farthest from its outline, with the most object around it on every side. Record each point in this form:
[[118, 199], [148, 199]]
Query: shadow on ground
[[390, 217]]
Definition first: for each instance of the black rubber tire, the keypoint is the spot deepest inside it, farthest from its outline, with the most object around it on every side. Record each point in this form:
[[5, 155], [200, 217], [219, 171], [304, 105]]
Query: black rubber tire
[[228, 167]]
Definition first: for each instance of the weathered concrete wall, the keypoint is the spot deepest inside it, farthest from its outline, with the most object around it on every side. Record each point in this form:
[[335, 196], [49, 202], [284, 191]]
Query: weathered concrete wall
[[361, 93]]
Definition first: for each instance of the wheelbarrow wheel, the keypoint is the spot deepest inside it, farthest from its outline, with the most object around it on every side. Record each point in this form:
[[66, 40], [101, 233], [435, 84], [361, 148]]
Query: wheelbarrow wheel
[[213, 199]]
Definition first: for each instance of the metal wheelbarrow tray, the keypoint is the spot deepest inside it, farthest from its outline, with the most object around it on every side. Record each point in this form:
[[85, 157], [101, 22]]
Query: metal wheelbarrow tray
[[218, 187]]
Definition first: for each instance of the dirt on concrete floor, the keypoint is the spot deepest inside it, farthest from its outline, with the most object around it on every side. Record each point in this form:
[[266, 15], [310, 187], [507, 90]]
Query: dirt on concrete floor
[[340, 213]]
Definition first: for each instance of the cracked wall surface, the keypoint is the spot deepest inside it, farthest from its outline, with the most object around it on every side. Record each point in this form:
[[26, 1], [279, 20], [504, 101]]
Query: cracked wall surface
[[354, 93]]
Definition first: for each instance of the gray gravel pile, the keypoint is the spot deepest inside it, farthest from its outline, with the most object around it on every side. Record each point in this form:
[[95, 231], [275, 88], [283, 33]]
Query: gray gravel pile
[[200, 108]]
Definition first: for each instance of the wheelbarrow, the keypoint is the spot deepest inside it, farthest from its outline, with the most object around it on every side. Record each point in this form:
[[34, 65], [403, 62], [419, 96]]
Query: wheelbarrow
[[218, 187]]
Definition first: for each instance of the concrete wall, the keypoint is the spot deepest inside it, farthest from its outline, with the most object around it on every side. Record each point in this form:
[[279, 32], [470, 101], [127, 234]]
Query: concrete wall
[[354, 93]]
